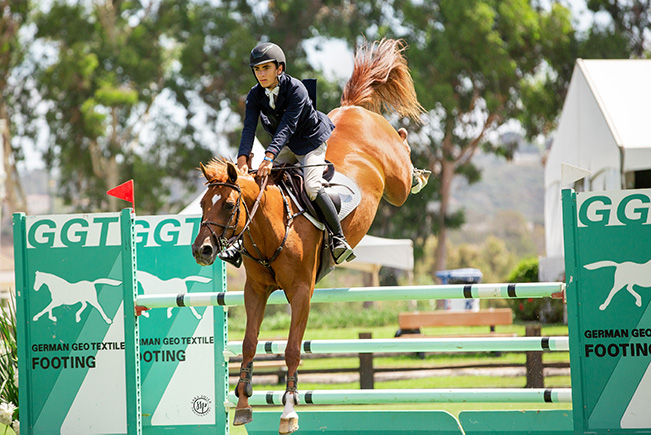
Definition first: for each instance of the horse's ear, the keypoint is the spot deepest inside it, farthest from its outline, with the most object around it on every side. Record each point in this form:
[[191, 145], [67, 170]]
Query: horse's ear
[[203, 169], [231, 171]]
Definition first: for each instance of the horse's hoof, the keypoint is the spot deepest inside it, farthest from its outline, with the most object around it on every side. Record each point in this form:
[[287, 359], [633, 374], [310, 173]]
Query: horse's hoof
[[242, 416], [288, 424]]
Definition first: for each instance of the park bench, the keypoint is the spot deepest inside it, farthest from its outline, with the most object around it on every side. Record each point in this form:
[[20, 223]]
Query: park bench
[[410, 323]]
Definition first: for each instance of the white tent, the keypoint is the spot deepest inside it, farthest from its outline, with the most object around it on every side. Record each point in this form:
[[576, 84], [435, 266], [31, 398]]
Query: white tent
[[372, 252], [605, 128]]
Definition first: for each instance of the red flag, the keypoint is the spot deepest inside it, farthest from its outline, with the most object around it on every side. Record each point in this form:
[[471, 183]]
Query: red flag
[[124, 191]]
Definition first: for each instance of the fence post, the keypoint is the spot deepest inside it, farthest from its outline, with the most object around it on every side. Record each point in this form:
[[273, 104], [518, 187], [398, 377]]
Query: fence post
[[366, 366], [535, 377]]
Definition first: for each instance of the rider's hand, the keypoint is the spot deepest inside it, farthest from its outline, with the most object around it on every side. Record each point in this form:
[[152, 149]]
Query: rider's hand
[[265, 168], [242, 164]]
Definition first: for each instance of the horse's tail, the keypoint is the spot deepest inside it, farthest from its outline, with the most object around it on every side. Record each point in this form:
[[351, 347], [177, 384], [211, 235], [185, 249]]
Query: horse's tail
[[197, 278], [381, 81], [107, 281], [600, 264]]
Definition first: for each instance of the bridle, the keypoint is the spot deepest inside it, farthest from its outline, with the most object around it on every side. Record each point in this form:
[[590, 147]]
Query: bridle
[[222, 242]]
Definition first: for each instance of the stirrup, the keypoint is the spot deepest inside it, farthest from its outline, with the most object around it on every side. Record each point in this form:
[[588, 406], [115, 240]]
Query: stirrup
[[293, 389], [342, 252], [246, 380]]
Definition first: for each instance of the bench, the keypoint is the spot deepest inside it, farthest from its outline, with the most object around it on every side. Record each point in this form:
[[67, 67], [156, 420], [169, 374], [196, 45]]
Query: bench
[[410, 323]]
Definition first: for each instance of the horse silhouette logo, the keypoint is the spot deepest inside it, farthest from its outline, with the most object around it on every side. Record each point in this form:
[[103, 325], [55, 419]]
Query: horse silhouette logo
[[70, 293], [627, 274], [151, 284]]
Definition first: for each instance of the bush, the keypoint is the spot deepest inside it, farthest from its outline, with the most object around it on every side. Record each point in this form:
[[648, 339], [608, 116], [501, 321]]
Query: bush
[[8, 366], [544, 310]]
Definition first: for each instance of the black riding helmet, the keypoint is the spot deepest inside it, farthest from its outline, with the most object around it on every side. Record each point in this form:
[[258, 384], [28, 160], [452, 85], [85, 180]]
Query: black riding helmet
[[267, 52]]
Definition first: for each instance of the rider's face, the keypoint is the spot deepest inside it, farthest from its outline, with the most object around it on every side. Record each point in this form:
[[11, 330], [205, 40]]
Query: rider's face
[[267, 74]]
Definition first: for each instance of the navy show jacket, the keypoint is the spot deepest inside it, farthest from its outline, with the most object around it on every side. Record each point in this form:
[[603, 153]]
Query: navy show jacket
[[294, 122]]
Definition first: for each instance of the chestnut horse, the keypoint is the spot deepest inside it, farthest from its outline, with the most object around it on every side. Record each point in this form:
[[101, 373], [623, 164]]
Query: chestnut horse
[[365, 148]]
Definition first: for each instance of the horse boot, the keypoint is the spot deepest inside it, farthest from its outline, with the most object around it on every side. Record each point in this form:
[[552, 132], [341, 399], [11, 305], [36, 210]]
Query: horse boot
[[289, 417], [341, 250], [232, 254], [244, 415]]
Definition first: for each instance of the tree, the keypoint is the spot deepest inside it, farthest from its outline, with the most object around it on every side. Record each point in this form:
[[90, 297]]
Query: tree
[[103, 87], [217, 40], [13, 15], [627, 35], [472, 62]]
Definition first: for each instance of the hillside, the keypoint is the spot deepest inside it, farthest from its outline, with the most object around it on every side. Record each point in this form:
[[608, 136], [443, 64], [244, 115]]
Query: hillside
[[516, 185]]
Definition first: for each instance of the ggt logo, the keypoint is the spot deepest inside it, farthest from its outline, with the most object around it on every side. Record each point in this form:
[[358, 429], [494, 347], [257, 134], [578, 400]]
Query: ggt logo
[[619, 208]]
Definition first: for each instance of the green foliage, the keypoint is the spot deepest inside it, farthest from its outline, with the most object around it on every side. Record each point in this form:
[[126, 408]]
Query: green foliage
[[627, 35], [544, 310], [335, 315], [8, 357], [104, 93], [472, 63]]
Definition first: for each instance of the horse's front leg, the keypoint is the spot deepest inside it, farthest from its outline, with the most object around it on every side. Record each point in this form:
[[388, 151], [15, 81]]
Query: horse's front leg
[[254, 303], [300, 303]]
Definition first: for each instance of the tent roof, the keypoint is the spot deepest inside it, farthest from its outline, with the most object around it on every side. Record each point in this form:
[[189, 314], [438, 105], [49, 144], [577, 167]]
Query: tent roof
[[604, 123], [623, 91], [604, 128]]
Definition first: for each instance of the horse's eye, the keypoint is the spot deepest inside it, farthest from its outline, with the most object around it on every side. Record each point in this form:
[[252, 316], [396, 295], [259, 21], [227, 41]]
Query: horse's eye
[[229, 205]]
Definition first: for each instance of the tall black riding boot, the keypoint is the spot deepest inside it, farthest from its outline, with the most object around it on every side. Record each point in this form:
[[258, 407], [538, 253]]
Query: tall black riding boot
[[340, 248], [232, 254]]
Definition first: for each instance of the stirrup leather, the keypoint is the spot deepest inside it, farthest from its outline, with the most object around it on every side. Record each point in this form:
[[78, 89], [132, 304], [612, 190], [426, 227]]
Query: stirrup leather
[[246, 380], [293, 389]]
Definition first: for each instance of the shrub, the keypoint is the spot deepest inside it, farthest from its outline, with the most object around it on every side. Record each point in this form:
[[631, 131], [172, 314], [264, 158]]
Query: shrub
[[8, 366], [544, 310]]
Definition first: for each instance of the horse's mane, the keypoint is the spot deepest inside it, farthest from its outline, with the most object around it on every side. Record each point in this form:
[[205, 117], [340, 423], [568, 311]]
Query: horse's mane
[[215, 169], [381, 81]]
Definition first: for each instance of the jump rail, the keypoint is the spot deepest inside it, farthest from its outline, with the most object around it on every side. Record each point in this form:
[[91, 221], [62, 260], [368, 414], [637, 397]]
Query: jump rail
[[362, 294], [507, 344], [374, 397]]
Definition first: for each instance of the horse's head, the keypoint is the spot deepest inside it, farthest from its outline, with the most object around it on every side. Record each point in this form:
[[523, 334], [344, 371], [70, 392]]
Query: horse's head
[[38, 281], [221, 211]]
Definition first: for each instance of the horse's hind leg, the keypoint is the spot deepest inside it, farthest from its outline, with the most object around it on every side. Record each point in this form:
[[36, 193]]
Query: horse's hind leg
[[254, 303], [98, 307], [300, 303]]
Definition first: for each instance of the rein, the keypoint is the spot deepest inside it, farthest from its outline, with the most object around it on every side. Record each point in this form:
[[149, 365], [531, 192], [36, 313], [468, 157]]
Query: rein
[[224, 243]]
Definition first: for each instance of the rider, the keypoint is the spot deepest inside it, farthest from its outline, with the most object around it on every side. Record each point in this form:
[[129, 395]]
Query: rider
[[299, 133]]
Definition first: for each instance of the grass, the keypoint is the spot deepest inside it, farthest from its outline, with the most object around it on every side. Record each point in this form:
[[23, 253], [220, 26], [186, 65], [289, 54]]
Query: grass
[[431, 361]]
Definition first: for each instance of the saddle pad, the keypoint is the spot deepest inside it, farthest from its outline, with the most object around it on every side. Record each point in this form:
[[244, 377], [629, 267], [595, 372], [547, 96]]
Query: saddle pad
[[348, 191]]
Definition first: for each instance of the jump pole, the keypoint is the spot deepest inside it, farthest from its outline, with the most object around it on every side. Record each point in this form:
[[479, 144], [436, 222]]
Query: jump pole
[[500, 344], [363, 294], [392, 396]]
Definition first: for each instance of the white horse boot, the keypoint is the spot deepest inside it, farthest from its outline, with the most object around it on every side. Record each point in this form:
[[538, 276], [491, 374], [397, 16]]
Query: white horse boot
[[289, 417]]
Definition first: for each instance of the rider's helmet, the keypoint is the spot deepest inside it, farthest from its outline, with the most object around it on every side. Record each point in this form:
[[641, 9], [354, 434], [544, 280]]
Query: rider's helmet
[[267, 52]]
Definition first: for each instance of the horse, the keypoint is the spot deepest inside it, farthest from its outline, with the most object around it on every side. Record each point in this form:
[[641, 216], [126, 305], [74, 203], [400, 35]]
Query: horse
[[70, 293], [365, 148], [151, 284], [627, 274]]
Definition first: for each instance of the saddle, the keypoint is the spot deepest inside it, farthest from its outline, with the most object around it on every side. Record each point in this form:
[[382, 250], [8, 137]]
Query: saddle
[[342, 190]]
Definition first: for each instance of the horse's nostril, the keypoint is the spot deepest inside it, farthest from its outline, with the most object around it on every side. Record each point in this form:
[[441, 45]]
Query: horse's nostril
[[206, 250]]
